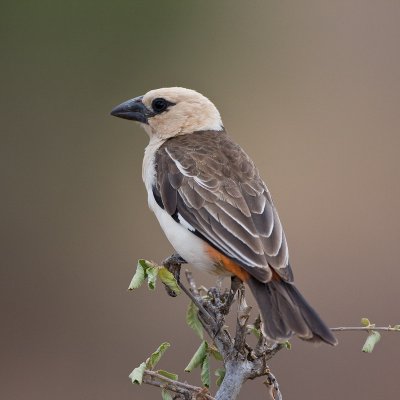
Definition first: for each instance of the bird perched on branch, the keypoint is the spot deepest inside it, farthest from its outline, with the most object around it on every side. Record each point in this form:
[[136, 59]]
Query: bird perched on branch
[[215, 209]]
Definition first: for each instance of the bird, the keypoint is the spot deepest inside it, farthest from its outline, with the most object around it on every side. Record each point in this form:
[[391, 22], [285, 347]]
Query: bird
[[215, 209]]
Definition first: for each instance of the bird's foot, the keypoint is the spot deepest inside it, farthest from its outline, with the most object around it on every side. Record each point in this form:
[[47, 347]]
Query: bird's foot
[[174, 259]]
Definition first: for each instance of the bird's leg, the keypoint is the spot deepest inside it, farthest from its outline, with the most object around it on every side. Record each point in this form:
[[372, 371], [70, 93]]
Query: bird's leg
[[173, 264], [235, 285]]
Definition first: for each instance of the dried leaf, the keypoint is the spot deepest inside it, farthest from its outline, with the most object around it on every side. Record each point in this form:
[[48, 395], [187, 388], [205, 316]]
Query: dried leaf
[[215, 353], [138, 278], [167, 374], [156, 356], [146, 264], [168, 279], [220, 374], [193, 321], [372, 339], [205, 371], [166, 395], [198, 357], [136, 376], [152, 273]]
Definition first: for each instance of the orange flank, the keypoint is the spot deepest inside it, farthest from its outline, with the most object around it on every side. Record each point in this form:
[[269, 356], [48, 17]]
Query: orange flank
[[227, 263]]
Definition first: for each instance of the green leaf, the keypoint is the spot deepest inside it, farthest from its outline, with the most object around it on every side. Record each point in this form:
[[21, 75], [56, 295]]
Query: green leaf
[[198, 357], [156, 356], [215, 353], [397, 327], [166, 395], [205, 371], [193, 321], [138, 278], [146, 264], [167, 374], [287, 345], [365, 322], [152, 273], [372, 339], [253, 329], [168, 279], [136, 376], [220, 374]]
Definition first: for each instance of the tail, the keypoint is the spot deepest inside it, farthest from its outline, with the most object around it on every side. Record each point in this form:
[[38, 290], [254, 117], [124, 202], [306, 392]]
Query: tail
[[285, 312]]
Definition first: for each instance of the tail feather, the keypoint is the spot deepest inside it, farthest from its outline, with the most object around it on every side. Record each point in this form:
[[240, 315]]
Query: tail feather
[[285, 312]]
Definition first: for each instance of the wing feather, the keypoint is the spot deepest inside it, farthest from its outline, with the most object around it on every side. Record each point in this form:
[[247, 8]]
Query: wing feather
[[214, 186]]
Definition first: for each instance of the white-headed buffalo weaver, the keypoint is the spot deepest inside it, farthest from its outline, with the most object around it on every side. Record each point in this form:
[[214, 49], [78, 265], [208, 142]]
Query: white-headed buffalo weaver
[[215, 209]]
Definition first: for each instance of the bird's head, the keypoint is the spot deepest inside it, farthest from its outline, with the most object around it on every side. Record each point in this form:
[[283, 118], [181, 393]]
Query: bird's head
[[169, 112]]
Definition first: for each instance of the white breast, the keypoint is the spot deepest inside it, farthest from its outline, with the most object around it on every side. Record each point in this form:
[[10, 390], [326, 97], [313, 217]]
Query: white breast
[[185, 243]]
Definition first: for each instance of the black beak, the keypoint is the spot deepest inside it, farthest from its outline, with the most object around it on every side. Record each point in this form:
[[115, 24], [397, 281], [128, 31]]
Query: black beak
[[132, 109]]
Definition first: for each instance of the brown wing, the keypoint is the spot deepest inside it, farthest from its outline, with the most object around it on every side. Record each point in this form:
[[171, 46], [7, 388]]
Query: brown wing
[[209, 184]]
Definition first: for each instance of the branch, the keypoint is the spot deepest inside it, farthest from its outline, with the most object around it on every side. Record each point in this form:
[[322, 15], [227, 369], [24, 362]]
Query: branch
[[367, 328], [241, 361], [273, 387], [373, 332], [208, 310], [188, 391]]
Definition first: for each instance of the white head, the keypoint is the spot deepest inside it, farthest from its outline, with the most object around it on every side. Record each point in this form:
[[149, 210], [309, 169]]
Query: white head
[[169, 112]]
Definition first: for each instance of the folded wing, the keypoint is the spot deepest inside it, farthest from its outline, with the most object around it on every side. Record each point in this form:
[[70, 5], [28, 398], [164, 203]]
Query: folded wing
[[210, 185]]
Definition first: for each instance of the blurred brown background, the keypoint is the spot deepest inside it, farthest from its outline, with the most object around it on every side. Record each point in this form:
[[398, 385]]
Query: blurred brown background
[[310, 89]]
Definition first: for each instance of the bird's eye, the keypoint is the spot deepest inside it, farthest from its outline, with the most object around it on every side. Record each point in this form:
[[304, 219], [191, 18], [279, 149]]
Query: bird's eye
[[159, 105]]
